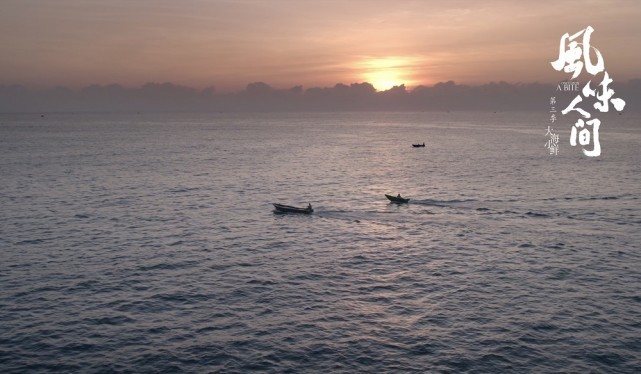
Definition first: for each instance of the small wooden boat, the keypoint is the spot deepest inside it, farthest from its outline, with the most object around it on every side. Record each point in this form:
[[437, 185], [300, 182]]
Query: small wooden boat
[[418, 145], [292, 209], [397, 199]]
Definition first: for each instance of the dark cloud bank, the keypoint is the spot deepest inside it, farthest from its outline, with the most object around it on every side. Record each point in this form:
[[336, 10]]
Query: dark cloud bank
[[260, 97]]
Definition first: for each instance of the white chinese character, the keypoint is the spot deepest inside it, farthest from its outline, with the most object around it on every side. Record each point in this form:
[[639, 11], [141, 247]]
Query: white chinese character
[[572, 105], [606, 96], [569, 59], [584, 136]]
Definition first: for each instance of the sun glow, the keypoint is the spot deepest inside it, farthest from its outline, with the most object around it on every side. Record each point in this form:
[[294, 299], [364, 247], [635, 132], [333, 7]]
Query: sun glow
[[384, 80], [385, 73]]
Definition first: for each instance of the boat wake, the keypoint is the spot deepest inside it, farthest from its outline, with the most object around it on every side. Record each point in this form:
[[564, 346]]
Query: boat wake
[[419, 209], [355, 215], [467, 203]]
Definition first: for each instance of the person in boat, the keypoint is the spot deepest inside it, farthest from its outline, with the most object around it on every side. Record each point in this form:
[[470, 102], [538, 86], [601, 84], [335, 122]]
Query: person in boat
[[399, 196], [309, 206]]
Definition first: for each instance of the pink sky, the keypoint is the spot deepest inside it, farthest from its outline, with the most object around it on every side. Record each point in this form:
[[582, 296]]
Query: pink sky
[[228, 43]]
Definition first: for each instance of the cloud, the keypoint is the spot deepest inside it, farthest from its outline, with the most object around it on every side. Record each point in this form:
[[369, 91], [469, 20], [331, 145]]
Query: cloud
[[261, 97]]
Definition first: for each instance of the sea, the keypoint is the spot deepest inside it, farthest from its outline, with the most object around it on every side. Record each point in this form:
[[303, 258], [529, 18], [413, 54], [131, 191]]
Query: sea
[[148, 243]]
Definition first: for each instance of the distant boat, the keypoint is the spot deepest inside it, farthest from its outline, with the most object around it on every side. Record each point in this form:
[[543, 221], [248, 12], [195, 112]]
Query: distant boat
[[418, 145], [292, 209], [397, 199]]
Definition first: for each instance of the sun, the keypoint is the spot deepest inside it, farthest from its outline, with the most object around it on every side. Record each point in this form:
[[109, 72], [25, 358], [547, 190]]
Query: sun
[[384, 80], [385, 73]]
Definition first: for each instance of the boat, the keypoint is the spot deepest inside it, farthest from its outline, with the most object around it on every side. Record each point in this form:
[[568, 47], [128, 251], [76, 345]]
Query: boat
[[397, 199], [281, 208], [418, 145]]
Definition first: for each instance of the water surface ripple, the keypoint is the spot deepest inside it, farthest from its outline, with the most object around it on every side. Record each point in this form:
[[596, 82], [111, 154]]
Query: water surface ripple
[[144, 243]]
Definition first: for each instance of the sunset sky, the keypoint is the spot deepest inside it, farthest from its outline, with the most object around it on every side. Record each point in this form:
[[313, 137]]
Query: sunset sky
[[229, 43]]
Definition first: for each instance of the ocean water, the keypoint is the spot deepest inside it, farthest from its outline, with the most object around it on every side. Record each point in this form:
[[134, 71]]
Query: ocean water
[[148, 243]]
